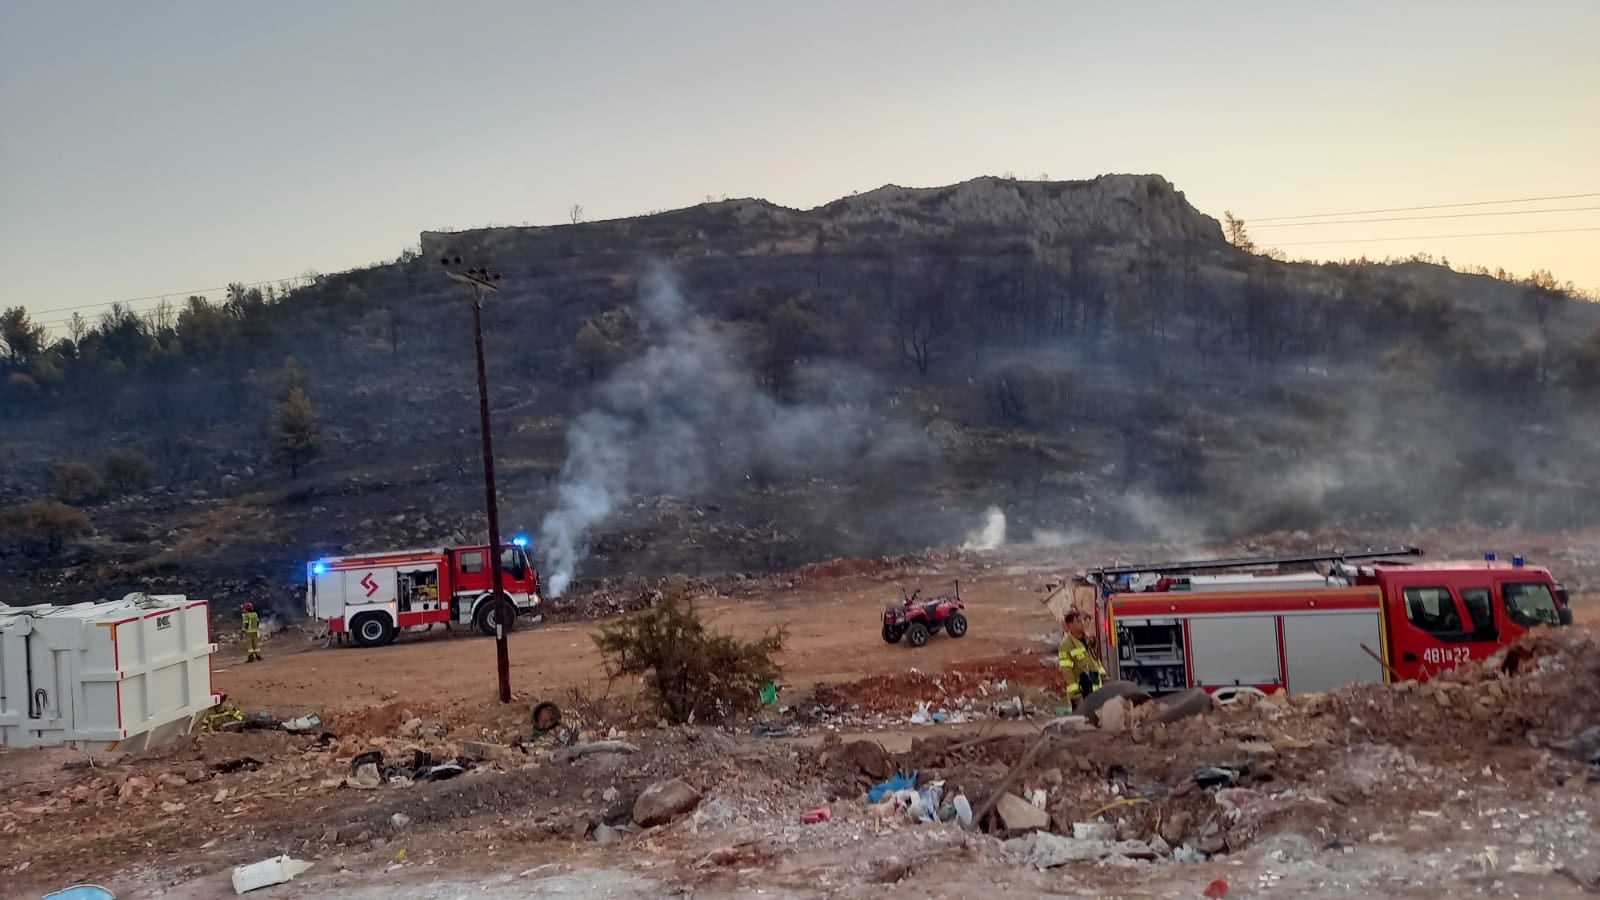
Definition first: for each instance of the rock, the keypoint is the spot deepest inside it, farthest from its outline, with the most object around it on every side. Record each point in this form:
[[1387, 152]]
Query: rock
[[399, 820], [891, 869], [1173, 830], [1257, 748], [1113, 715], [1018, 815], [171, 780], [220, 796], [172, 807], [330, 835], [664, 800], [195, 774], [610, 795], [605, 834], [410, 728]]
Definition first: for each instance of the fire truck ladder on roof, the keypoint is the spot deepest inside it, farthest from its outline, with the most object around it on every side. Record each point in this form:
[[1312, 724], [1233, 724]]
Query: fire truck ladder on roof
[[1201, 565]]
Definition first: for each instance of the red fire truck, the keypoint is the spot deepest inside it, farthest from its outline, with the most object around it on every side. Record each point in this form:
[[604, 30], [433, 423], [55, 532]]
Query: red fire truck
[[370, 598], [1256, 625]]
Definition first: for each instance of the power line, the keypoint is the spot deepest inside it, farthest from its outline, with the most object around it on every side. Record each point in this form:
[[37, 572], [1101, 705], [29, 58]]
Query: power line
[[1509, 212], [1433, 237], [1364, 212], [189, 293]]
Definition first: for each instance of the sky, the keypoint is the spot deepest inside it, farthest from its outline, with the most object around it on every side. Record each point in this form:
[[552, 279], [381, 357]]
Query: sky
[[177, 145]]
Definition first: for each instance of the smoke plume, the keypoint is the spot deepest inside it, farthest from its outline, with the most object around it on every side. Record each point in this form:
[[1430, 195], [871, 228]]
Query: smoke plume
[[686, 415], [992, 536]]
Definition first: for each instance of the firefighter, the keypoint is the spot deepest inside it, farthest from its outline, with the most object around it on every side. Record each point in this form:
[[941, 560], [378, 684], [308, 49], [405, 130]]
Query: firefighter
[[1080, 669], [250, 633]]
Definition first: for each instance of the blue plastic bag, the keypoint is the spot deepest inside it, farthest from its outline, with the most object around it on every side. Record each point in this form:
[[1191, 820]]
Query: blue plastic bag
[[899, 782]]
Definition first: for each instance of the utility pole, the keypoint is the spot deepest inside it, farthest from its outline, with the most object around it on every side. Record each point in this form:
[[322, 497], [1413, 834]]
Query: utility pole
[[481, 281]]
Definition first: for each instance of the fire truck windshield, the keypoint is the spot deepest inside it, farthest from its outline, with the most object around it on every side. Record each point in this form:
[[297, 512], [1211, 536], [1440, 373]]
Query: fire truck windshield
[[1530, 604], [513, 562]]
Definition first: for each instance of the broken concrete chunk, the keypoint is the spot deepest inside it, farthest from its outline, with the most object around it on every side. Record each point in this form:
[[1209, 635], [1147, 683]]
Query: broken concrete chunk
[[1044, 850], [1093, 831], [1018, 815], [664, 800]]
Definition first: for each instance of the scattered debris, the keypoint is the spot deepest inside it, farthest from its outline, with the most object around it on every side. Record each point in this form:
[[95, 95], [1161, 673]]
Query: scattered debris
[[567, 754], [268, 872], [1044, 850], [817, 815]]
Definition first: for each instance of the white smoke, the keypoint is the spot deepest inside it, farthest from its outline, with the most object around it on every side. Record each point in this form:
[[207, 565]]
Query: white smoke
[[992, 536], [1058, 540], [686, 413]]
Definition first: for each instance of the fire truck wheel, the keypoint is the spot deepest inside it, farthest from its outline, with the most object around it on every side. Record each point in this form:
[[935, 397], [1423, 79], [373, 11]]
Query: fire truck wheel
[[956, 625], [372, 631], [484, 619], [917, 634]]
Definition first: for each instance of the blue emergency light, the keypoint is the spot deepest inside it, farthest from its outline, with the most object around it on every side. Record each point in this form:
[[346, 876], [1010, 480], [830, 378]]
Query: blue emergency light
[[318, 568], [520, 540], [1488, 557], [1516, 561]]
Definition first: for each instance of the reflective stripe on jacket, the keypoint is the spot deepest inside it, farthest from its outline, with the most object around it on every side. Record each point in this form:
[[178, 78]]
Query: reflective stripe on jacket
[[1076, 659], [252, 621]]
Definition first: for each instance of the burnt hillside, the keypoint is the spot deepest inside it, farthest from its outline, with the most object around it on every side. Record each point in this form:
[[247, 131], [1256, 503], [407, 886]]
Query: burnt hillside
[[1089, 356]]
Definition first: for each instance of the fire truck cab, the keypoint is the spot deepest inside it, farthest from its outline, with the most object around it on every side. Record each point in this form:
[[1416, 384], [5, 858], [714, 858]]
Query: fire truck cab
[[371, 598], [1260, 629]]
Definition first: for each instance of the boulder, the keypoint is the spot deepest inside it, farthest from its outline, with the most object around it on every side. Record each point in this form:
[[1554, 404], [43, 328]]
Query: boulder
[[663, 801]]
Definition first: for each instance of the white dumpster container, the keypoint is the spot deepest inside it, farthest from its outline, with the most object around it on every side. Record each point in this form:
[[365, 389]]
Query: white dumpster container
[[128, 675]]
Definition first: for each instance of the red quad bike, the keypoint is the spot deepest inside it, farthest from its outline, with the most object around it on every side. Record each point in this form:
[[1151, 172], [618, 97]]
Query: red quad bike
[[916, 620]]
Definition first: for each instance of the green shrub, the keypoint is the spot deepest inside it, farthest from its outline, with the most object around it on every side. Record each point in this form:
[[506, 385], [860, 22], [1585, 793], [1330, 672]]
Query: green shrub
[[691, 675]]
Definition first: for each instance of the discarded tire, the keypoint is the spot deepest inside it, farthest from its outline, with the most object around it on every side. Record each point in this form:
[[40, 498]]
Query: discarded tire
[[1182, 705], [1109, 692]]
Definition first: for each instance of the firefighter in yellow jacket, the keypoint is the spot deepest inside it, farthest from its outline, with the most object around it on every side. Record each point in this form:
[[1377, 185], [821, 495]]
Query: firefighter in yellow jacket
[[1080, 669], [250, 633]]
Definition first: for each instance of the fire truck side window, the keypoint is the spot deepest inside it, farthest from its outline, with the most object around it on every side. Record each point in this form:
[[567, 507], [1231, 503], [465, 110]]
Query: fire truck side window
[[1434, 610], [1480, 609], [472, 561], [1530, 604], [511, 562]]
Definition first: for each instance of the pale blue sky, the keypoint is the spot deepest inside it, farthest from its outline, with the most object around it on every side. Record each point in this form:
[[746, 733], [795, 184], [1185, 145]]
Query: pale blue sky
[[165, 146]]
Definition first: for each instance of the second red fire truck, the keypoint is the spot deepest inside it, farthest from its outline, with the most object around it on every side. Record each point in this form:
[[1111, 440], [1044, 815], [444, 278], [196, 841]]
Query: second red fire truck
[[1253, 625], [371, 598]]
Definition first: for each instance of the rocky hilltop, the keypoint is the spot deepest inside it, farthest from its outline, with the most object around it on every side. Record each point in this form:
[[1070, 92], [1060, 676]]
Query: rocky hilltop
[[863, 378]]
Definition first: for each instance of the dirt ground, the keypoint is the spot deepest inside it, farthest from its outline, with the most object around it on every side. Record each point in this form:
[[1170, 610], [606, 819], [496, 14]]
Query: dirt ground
[[1393, 791]]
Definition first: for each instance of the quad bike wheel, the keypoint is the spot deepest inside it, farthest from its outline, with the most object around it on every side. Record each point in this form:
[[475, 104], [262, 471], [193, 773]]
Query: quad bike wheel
[[956, 625], [893, 633], [916, 634]]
